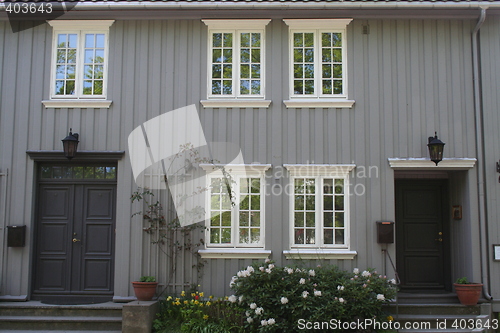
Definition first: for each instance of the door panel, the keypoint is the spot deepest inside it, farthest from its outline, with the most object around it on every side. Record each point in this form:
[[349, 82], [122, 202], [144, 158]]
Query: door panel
[[75, 239], [421, 233]]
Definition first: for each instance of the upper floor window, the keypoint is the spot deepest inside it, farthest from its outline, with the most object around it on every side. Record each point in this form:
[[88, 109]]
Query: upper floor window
[[318, 58], [79, 59], [236, 53]]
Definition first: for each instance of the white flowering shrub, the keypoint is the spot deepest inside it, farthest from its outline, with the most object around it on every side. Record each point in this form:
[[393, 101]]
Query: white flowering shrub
[[274, 298]]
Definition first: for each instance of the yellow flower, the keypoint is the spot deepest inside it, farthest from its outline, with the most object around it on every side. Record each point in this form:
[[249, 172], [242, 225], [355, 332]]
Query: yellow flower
[[193, 294], [196, 302], [201, 304], [226, 298], [177, 299], [173, 303], [208, 303], [185, 302], [202, 294], [205, 317], [169, 298], [177, 303], [211, 296], [183, 293], [390, 318]]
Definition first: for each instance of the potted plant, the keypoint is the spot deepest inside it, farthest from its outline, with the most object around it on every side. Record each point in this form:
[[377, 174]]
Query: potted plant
[[468, 292], [145, 288]]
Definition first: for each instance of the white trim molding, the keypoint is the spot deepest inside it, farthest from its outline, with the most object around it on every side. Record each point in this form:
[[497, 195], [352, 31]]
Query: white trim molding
[[319, 254], [234, 253], [77, 103], [319, 103], [236, 24], [80, 24], [426, 164], [235, 103], [317, 23], [307, 170], [250, 169]]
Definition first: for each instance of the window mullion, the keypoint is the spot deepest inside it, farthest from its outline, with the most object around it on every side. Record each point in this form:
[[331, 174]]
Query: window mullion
[[236, 63], [319, 211], [80, 55], [235, 213]]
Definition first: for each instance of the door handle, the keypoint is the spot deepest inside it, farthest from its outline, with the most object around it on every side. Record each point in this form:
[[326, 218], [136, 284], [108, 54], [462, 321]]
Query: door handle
[[76, 240]]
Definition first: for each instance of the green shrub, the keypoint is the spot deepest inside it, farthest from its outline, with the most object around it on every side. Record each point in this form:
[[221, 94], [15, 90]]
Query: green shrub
[[277, 299], [147, 279]]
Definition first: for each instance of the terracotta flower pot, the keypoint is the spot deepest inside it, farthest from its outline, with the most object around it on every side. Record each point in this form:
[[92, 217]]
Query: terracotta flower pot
[[468, 294], [144, 291]]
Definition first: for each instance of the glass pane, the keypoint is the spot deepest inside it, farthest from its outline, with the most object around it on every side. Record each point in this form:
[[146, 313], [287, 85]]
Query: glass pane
[[70, 88], [337, 40], [226, 219], [244, 219], [299, 202], [245, 72], [61, 40], [308, 87], [327, 87], [244, 185], [326, 39], [89, 56], [328, 202], [255, 71], [255, 55], [56, 172], [245, 39], [310, 236], [61, 56], [60, 72], [215, 220], [215, 185], [98, 87], [215, 202], [337, 55], [46, 172], [326, 71], [328, 219], [227, 55], [255, 219], [245, 202], [255, 202], [99, 173], [245, 55], [228, 40], [110, 172], [308, 55], [310, 186], [244, 237], [328, 234], [339, 220], [59, 88], [337, 71], [87, 87], [298, 55], [298, 71], [227, 87], [328, 186], [255, 39], [339, 186], [245, 87], [216, 87], [89, 40], [72, 41], [255, 235], [339, 202], [78, 172], [227, 72], [339, 236], [298, 87], [226, 202], [226, 235], [298, 39], [309, 71], [215, 235], [255, 185], [309, 39], [98, 71], [216, 71], [327, 55], [299, 186], [99, 40], [299, 236], [88, 71], [88, 173], [310, 219], [255, 87], [217, 40], [337, 87], [299, 219]]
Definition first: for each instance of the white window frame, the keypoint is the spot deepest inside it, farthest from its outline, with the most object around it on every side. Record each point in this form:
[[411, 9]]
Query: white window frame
[[236, 249], [79, 27], [319, 250], [236, 99], [318, 99]]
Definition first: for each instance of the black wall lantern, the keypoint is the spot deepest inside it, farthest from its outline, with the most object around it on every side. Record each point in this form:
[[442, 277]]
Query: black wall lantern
[[436, 148], [70, 145]]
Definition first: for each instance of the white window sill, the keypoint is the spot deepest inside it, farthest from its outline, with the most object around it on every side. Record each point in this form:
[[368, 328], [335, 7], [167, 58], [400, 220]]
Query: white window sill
[[426, 164], [235, 103], [319, 103], [234, 253], [319, 254], [77, 103]]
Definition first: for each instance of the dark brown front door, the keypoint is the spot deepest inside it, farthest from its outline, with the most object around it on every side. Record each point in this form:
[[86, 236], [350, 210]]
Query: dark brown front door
[[75, 235], [421, 234]]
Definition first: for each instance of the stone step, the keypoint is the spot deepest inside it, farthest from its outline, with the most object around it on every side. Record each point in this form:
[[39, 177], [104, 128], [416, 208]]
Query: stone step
[[434, 309], [35, 316]]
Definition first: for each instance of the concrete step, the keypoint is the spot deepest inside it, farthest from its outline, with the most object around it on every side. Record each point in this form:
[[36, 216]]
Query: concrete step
[[434, 309], [35, 316], [427, 298]]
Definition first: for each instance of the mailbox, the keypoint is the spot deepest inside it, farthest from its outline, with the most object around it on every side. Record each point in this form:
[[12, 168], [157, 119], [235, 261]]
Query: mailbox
[[385, 232], [16, 235]]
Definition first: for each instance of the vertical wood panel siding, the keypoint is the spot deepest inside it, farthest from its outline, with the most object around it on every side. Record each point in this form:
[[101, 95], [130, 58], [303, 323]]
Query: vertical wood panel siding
[[409, 78], [490, 83]]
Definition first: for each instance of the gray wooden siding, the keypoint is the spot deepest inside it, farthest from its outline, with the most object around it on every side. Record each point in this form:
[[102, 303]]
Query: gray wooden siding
[[490, 82], [409, 78]]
